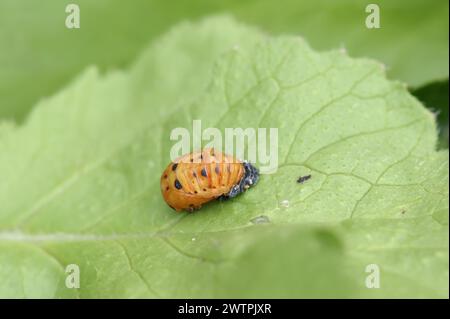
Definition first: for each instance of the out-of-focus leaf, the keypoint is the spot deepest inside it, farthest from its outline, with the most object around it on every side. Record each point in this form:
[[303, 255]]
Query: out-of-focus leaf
[[435, 97], [39, 55]]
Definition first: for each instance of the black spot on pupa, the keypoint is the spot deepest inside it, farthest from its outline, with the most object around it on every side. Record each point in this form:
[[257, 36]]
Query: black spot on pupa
[[195, 192], [204, 189], [174, 166], [194, 174], [167, 188], [165, 175], [178, 184], [303, 179], [204, 172]]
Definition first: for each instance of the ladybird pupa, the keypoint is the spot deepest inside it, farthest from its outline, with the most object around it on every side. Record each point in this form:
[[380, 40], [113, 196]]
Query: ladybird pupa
[[200, 177]]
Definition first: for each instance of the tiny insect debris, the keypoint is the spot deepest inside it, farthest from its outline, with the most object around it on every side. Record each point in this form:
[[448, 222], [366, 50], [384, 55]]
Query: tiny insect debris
[[303, 179]]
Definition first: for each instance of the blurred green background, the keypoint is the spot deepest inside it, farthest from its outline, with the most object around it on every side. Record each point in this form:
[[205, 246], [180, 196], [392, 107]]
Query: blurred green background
[[39, 55]]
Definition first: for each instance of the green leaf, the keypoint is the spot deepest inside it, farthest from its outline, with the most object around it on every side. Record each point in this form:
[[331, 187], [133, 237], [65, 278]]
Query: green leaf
[[41, 55], [435, 97], [80, 179], [410, 32]]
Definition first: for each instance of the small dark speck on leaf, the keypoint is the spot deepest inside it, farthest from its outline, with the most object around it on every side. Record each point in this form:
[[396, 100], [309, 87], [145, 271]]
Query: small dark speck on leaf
[[303, 179]]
